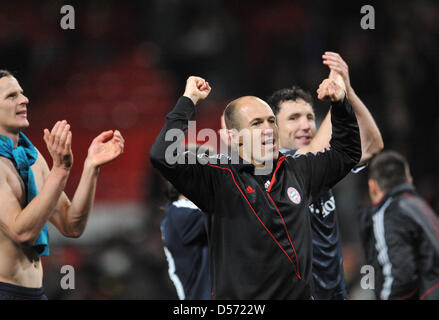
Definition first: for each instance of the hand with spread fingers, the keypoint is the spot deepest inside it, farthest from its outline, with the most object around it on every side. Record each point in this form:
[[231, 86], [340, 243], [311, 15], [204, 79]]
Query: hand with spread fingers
[[338, 78], [371, 139], [338, 66], [105, 148], [59, 145]]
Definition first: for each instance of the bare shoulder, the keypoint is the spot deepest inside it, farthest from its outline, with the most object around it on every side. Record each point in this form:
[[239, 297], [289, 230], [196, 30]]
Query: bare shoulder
[[9, 179], [40, 170], [4, 168]]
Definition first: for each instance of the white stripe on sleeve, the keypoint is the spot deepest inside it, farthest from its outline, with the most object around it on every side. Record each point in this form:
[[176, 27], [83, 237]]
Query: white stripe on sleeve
[[381, 246]]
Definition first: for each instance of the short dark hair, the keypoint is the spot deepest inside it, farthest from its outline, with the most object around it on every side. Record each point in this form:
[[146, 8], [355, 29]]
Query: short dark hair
[[288, 94], [389, 169], [5, 73]]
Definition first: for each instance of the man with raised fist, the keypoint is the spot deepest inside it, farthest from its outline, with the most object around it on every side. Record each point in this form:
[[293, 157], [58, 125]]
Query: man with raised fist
[[257, 221], [31, 194]]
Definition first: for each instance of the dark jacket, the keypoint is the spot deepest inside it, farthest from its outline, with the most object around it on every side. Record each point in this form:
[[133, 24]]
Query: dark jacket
[[185, 243], [401, 241], [258, 226], [327, 263]]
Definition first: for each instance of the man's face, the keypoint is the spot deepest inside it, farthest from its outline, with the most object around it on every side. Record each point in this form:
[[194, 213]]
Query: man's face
[[258, 130], [13, 106], [297, 124]]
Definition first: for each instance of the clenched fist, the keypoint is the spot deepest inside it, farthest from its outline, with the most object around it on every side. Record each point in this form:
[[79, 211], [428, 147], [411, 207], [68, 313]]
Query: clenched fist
[[59, 144], [197, 89], [331, 89]]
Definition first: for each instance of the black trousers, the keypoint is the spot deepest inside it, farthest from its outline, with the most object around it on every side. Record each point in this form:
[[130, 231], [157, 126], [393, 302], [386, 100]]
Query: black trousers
[[12, 292]]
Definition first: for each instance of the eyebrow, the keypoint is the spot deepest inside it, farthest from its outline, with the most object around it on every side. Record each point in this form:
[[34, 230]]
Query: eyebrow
[[262, 119], [14, 92], [300, 113]]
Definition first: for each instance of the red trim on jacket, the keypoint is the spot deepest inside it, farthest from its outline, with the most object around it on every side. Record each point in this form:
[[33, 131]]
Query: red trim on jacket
[[408, 295], [257, 216], [273, 178], [424, 209], [429, 291], [286, 230]]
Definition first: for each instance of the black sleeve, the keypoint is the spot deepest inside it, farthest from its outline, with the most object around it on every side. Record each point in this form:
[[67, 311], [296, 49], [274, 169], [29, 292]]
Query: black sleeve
[[322, 171], [190, 225], [190, 177], [397, 255]]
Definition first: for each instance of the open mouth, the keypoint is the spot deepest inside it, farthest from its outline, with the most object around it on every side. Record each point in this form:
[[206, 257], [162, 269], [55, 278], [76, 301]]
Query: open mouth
[[22, 114], [304, 139], [269, 143]]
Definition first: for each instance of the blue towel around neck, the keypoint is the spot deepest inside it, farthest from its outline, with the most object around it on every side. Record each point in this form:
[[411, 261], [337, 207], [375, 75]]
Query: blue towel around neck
[[23, 157]]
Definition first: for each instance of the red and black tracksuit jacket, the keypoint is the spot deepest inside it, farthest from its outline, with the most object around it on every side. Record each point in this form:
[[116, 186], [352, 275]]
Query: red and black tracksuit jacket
[[258, 226]]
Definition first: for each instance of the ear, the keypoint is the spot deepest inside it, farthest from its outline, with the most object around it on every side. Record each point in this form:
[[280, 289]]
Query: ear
[[223, 122], [408, 174], [374, 190], [372, 185]]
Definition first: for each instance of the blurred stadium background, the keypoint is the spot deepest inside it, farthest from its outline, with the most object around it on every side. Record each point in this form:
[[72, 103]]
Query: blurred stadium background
[[126, 63]]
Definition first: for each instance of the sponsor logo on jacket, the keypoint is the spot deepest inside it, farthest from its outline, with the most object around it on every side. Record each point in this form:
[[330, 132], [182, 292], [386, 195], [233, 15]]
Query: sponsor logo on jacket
[[327, 206]]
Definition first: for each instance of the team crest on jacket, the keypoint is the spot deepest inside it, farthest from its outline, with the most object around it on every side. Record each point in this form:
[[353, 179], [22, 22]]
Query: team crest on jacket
[[294, 195]]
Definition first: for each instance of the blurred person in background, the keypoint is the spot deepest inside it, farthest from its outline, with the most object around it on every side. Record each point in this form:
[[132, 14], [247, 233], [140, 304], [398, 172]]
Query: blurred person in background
[[185, 244], [293, 108], [400, 233], [31, 194]]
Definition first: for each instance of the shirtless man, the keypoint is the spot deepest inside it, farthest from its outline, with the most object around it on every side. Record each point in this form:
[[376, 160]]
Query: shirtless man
[[23, 235]]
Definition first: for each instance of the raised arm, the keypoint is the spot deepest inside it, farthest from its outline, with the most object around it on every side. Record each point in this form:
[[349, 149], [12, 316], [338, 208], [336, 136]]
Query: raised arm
[[321, 140], [371, 140], [323, 136], [197, 89], [189, 177], [70, 218], [321, 171]]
